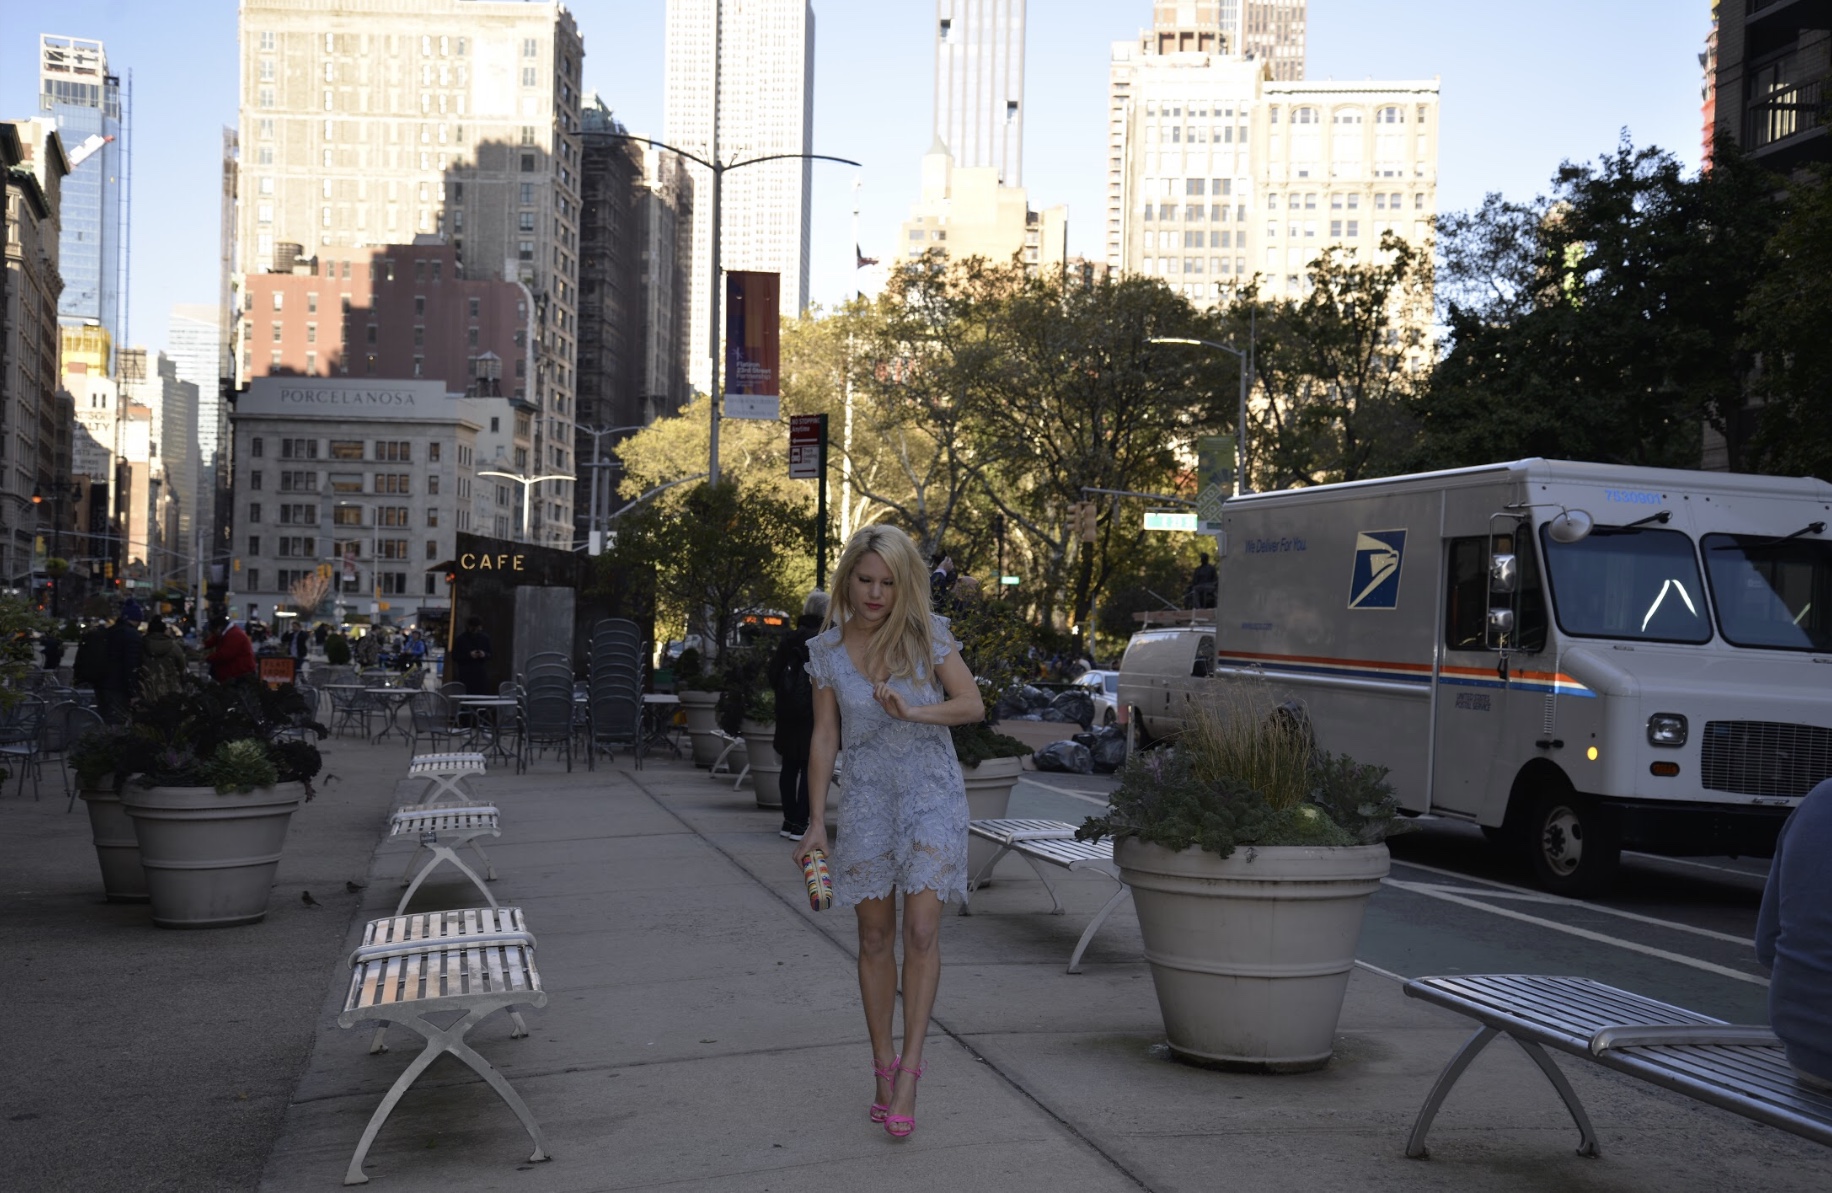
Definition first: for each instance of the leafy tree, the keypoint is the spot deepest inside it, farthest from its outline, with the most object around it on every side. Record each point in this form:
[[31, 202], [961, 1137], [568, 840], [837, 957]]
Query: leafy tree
[[1339, 368], [727, 549], [1609, 331], [1785, 324]]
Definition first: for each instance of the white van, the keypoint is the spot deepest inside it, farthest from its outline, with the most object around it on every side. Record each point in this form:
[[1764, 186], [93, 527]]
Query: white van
[[1580, 658]]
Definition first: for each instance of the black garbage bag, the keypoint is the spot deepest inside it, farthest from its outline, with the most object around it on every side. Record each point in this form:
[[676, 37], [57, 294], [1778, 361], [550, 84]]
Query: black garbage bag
[[1077, 704], [1056, 716], [1108, 748], [1070, 757], [1014, 703]]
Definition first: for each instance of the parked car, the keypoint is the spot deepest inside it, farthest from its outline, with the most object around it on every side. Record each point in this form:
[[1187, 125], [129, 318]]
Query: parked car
[[1104, 687]]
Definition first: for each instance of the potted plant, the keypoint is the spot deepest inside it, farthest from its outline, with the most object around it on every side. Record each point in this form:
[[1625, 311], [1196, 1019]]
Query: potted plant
[[210, 778], [699, 692], [758, 727], [995, 641], [1251, 857], [96, 757], [990, 765]]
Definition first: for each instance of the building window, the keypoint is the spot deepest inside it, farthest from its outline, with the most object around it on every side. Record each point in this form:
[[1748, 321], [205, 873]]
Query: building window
[[254, 513], [474, 307], [254, 578], [346, 482], [298, 449], [394, 450], [255, 445], [268, 40], [432, 452], [526, 222], [347, 515], [254, 544], [399, 482], [346, 449], [299, 515], [432, 486], [526, 250], [393, 583], [254, 480], [432, 518], [432, 548]]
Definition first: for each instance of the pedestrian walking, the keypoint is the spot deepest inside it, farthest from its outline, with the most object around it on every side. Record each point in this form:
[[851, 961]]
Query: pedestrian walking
[[301, 647], [162, 658], [941, 579], [54, 650], [472, 652], [122, 652], [794, 689], [889, 681], [1794, 938]]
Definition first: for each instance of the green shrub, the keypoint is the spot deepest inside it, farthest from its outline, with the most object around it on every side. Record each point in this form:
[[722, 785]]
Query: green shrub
[[1246, 773], [337, 650], [980, 742]]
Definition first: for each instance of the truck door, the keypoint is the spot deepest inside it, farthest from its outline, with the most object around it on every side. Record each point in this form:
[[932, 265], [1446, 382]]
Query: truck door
[[1478, 711]]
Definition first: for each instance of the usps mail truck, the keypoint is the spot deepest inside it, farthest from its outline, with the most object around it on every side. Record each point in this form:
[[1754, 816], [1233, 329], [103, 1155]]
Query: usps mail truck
[[1579, 658]]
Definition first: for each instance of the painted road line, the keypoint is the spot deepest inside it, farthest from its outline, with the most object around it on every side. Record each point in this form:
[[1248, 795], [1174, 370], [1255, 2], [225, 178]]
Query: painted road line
[[1516, 892], [1068, 791], [1759, 875], [1431, 891]]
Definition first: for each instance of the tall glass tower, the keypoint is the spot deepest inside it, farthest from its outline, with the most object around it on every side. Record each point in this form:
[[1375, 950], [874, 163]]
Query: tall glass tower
[[78, 92]]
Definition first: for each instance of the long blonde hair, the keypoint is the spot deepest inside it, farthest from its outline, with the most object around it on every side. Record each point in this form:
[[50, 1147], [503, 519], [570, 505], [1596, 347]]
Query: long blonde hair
[[904, 644]]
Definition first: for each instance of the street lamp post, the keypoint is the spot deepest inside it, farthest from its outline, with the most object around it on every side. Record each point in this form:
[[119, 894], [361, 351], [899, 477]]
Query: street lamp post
[[528, 483], [598, 434], [718, 182], [1246, 369]]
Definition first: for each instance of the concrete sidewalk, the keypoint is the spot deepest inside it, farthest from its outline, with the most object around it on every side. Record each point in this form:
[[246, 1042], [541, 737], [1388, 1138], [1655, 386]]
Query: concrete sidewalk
[[703, 1033]]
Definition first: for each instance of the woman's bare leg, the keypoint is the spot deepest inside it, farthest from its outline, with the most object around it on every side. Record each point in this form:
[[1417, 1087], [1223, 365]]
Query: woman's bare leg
[[878, 980], [921, 976]]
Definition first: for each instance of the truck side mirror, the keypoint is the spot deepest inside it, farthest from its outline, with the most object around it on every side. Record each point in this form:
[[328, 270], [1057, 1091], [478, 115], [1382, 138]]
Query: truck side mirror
[[1500, 627], [1504, 574]]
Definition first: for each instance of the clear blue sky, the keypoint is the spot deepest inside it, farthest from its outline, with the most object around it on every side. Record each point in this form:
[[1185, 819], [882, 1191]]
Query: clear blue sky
[[1524, 88]]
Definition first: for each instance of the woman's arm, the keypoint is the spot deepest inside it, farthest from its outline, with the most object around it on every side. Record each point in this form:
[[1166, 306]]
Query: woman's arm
[[963, 705]]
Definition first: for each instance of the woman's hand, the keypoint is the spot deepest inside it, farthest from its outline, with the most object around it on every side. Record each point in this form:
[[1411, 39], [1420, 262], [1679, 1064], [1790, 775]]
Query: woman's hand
[[890, 701], [815, 838]]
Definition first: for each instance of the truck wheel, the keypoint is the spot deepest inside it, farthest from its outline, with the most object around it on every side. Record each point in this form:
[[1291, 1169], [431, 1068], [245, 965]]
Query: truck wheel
[[1107, 718], [1135, 727], [1572, 850]]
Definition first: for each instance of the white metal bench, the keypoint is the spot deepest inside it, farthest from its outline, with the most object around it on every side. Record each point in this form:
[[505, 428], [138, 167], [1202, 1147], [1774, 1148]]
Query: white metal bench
[[440, 829], [1737, 1068], [446, 772], [1051, 841], [476, 961]]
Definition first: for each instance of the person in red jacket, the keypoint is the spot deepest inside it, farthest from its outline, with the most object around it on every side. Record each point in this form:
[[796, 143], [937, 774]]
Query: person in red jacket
[[230, 652]]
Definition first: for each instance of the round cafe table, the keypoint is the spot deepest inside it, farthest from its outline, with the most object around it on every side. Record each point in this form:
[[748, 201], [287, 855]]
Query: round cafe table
[[489, 736], [392, 699]]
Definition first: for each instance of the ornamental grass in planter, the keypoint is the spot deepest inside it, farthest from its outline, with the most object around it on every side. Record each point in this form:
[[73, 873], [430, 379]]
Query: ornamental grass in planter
[[1251, 856], [210, 775]]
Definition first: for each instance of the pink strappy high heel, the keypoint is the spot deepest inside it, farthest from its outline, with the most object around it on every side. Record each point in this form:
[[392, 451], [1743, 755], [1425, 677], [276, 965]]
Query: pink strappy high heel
[[889, 1073], [907, 1121]]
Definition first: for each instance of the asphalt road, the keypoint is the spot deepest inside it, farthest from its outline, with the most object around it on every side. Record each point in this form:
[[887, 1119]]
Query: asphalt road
[[1680, 930]]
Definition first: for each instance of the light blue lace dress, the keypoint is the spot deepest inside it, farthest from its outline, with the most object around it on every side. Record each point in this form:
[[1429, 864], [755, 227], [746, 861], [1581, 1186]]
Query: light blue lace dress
[[904, 823]]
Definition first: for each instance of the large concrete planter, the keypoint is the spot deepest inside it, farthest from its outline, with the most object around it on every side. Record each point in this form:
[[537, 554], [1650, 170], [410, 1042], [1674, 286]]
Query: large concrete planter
[[209, 858], [117, 849], [702, 726], [766, 763], [1251, 954], [988, 798]]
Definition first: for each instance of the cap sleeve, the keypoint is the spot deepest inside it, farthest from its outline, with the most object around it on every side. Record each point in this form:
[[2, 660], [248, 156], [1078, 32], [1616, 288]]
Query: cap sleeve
[[943, 637], [820, 662]]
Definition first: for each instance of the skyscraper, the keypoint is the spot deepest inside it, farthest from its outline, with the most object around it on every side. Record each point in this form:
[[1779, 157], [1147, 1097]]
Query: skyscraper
[[1270, 32], [1219, 175], [91, 109], [979, 84], [764, 51], [194, 337], [367, 123]]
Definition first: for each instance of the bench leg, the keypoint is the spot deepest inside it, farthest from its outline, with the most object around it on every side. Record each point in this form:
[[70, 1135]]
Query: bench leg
[[1587, 1138], [1055, 903], [1415, 1144], [974, 882], [442, 853], [1440, 1089], [440, 1041], [1100, 917], [489, 870]]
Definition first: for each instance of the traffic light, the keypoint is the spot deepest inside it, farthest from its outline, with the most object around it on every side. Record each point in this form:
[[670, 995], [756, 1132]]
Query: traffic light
[[1086, 520], [108, 569]]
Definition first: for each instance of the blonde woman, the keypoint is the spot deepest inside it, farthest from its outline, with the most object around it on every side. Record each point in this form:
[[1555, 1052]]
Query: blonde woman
[[888, 681]]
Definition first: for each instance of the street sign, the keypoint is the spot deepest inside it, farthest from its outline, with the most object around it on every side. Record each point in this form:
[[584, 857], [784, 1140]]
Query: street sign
[[1008, 579], [1170, 520], [805, 433], [1215, 473]]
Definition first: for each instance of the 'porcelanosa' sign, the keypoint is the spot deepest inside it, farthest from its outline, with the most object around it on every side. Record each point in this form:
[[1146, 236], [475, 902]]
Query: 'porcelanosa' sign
[[341, 398]]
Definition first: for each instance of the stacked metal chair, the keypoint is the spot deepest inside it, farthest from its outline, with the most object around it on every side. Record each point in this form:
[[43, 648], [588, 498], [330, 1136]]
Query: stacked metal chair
[[546, 712], [613, 696]]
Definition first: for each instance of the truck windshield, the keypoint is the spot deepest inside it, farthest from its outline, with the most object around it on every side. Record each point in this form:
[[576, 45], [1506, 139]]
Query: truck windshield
[[1771, 593], [1639, 584]]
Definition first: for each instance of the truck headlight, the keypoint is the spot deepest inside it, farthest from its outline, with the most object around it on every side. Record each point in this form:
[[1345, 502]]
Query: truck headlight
[[1666, 729]]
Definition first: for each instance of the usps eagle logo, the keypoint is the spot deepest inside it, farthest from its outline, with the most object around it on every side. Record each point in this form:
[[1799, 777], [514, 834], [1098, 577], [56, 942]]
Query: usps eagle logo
[[1375, 581]]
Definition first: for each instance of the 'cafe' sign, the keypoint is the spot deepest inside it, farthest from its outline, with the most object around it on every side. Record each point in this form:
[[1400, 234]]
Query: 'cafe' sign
[[473, 561]]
